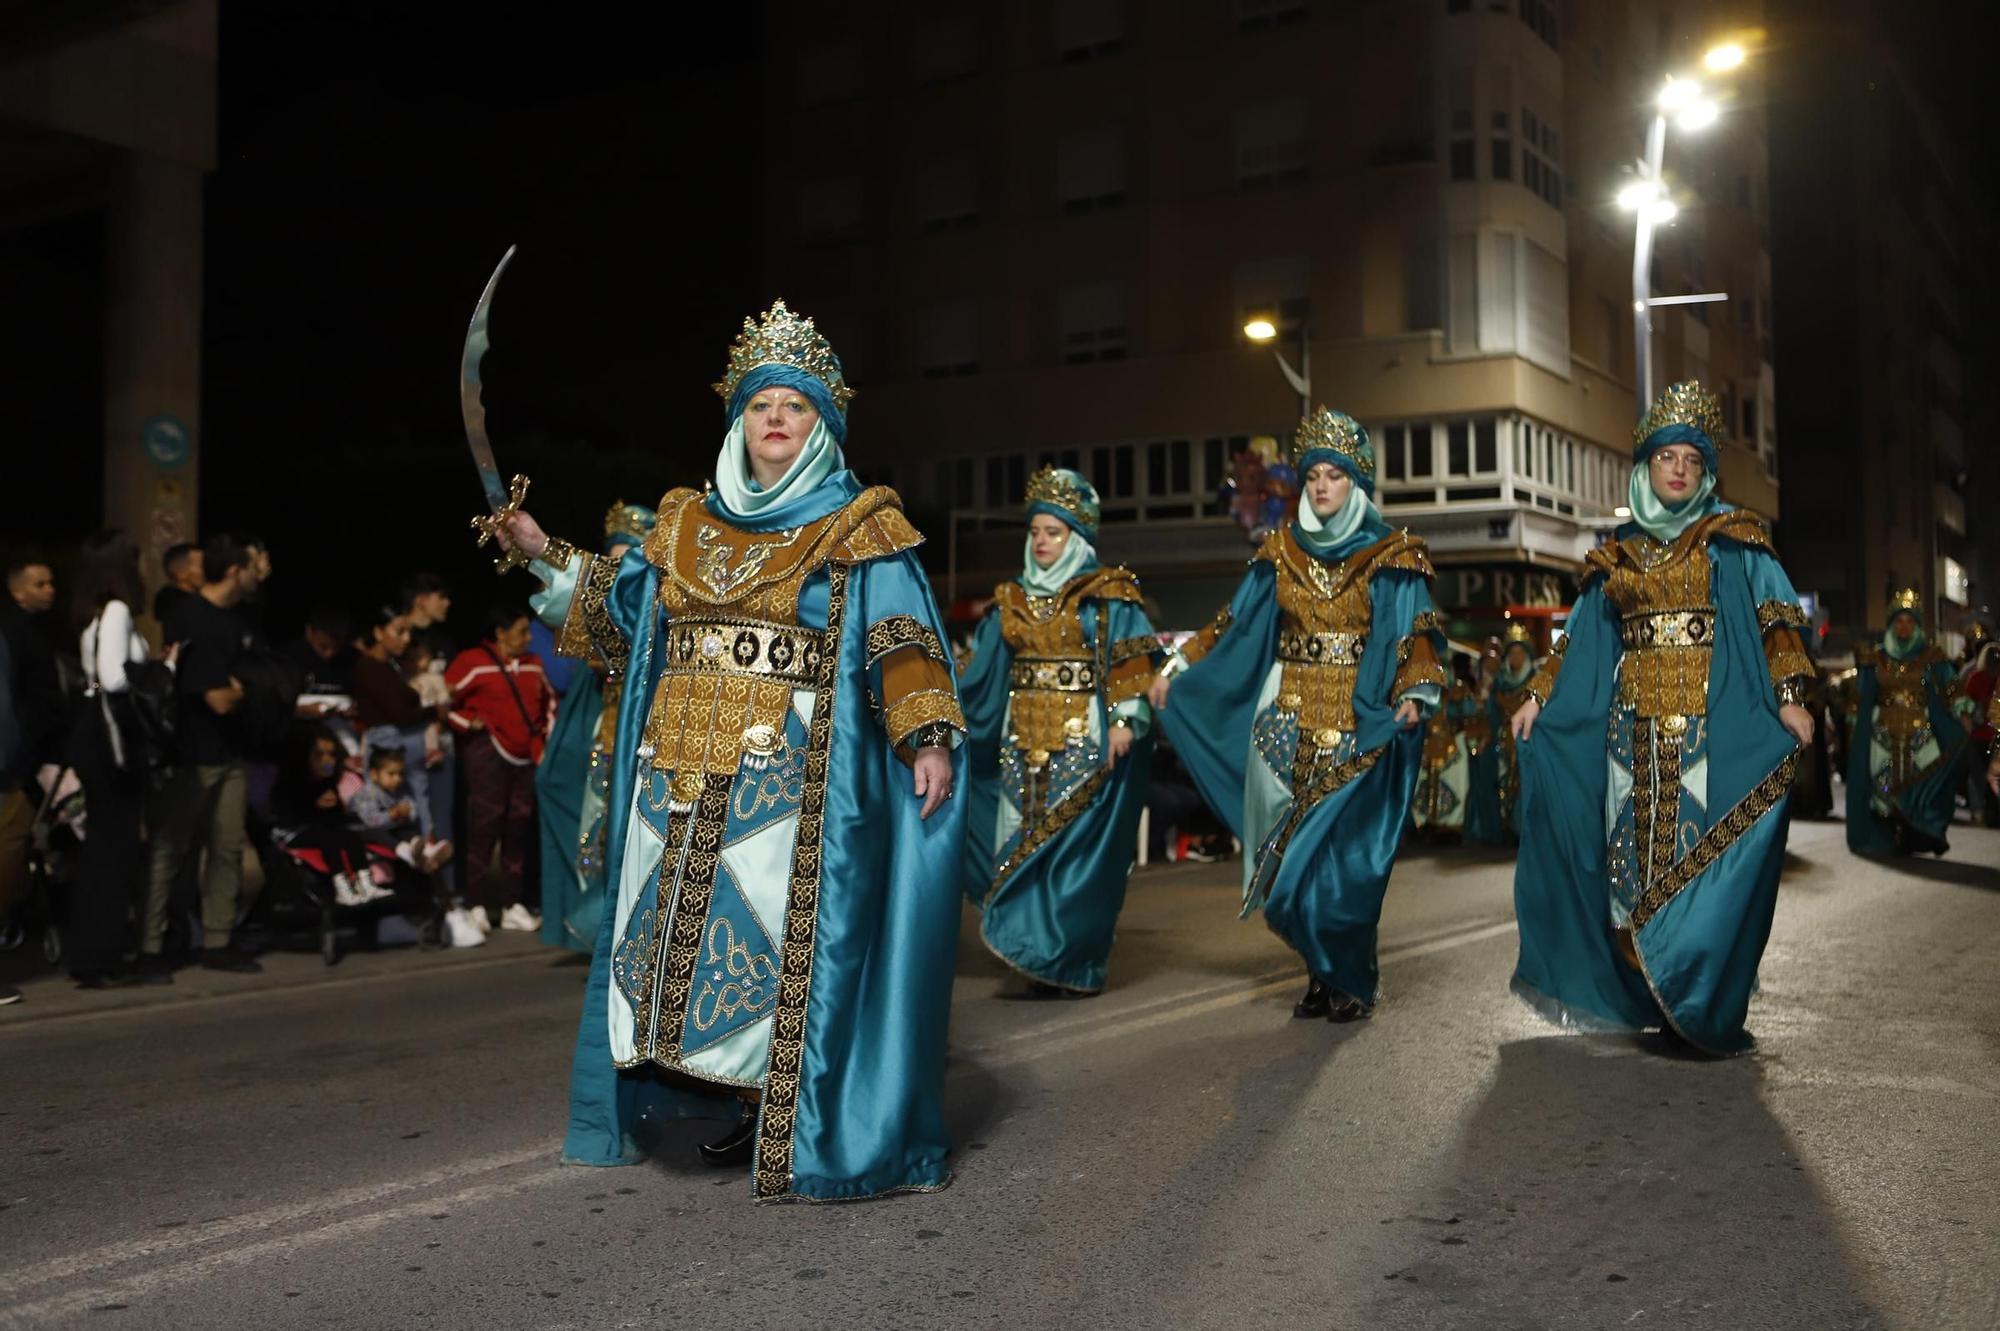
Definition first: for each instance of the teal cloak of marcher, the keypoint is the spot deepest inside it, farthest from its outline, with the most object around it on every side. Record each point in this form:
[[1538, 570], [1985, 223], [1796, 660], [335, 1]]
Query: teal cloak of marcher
[[1051, 828], [573, 783], [1285, 719], [1653, 785], [785, 921], [1493, 803], [1907, 758]]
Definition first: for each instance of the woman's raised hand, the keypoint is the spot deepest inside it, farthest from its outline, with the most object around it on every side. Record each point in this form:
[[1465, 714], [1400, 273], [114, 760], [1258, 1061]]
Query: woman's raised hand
[[520, 531], [1524, 719]]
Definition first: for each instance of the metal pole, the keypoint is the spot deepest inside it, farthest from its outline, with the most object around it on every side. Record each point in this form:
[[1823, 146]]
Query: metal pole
[[1642, 269], [1305, 372]]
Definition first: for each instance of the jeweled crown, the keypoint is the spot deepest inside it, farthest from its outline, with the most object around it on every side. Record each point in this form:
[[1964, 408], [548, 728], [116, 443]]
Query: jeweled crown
[[1336, 431], [1517, 632], [1909, 598], [623, 519], [1054, 487], [1682, 404], [779, 337]]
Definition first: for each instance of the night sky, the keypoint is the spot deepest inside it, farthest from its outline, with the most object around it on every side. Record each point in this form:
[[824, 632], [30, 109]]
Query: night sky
[[377, 159]]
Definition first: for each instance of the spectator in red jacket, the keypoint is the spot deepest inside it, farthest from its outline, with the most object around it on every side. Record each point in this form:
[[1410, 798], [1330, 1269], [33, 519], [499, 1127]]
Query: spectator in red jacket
[[501, 705]]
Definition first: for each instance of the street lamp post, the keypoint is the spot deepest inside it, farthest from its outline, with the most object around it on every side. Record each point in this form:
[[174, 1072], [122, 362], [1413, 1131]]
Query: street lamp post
[[1264, 330]]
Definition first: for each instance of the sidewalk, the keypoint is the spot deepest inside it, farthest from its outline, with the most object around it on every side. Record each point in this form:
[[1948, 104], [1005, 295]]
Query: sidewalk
[[51, 996]]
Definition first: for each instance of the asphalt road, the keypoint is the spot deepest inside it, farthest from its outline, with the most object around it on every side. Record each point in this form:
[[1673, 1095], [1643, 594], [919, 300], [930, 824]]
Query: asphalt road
[[374, 1146]]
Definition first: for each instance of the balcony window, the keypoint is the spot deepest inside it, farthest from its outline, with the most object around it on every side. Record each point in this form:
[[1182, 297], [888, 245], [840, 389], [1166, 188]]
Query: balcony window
[[1270, 144], [1093, 322], [1090, 171]]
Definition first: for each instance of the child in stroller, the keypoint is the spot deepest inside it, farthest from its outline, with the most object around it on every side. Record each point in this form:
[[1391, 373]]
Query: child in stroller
[[333, 867]]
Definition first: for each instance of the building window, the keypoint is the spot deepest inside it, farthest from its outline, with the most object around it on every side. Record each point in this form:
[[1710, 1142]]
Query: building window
[[831, 74], [1503, 147], [1485, 448], [1093, 322], [1275, 289], [1090, 170], [1088, 30], [1264, 15], [1541, 158], [1270, 144], [1749, 405], [948, 339], [1462, 149], [946, 49], [1541, 15], [1545, 308], [831, 211], [1420, 451], [948, 195]]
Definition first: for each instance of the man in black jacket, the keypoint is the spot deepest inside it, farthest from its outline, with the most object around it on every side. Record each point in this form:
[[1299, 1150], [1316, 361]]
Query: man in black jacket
[[40, 712]]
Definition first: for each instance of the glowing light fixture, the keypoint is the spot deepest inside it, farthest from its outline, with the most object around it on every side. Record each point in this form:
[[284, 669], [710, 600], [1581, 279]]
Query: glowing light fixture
[[1699, 115], [1638, 194], [1679, 94], [1727, 56], [1260, 330], [1621, 512]]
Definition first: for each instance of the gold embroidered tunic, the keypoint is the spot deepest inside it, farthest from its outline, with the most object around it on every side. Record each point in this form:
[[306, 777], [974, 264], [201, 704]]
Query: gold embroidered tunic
[[1055, 675]]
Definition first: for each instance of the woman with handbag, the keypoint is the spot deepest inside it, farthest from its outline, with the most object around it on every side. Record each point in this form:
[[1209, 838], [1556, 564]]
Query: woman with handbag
[[115, 753], [501, 706]]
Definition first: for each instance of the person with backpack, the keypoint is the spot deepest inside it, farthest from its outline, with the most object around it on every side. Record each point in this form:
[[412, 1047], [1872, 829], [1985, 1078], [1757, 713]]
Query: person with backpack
[[203, 805], [501, 707]]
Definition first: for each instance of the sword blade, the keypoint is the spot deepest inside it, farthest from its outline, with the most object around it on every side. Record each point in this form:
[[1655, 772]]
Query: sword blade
[[469, 404]]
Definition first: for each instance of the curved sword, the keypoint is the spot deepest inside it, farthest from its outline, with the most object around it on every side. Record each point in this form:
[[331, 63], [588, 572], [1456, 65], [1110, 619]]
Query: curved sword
[[503, 501]]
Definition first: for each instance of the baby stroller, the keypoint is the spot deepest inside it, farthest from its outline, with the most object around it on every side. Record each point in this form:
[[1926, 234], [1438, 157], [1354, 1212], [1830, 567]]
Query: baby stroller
[[52, 851], [317, 888]]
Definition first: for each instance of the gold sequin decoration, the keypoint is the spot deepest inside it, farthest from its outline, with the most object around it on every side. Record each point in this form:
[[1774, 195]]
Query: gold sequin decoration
[[1763, 797]]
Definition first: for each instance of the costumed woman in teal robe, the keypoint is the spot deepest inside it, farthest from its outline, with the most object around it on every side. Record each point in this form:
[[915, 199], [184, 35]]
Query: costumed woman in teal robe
[[1657, 750], [573, 783], [1912, 736], [1496, 769], [783, 849], [1439, 810], [1298, 714], [1061, 746]]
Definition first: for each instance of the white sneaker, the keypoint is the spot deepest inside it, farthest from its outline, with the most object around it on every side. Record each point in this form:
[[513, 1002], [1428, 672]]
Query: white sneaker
[[347, 890], [372, 891], [477, 917], [460, 929], [517, 918], [408, 851]]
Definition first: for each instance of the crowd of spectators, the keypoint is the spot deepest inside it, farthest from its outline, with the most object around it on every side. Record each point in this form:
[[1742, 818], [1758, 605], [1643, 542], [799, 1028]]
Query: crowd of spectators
[[357, 767]]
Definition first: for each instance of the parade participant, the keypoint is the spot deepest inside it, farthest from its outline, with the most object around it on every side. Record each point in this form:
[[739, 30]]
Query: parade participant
[[1496, 770], [573, 784], [782, 848], [1444, 775], [1658, 746], [1911, 720], [1297, 713], [1055, 708]]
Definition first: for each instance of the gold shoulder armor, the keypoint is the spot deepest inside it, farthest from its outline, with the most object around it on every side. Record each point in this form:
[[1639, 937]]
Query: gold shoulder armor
[[1743, 527], [1399, 550], [873, 527], [1113, 584], [659, 546]]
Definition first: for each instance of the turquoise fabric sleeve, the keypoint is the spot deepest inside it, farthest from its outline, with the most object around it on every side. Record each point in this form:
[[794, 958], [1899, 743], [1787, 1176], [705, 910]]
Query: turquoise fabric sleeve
[[897, 588], [1124, 621], [1208, 713], [551, 604]]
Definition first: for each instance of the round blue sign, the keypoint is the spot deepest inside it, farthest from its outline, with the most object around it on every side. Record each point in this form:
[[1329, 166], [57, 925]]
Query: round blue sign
[[167, 442]]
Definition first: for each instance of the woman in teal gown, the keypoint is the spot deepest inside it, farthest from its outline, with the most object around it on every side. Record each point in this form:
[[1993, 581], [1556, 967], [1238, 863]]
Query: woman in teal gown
[[1298, 714], [1496, 769], [573, 783], [1657, 751], [783, 849], [1061, 746], [1912, 738]]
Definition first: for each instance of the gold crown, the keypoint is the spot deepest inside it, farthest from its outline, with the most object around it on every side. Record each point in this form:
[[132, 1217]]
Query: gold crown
[[623, 519], [1517, 632], [1682, 404], [783, 338], [1337, 431], [1050, 486], [1909, 598]]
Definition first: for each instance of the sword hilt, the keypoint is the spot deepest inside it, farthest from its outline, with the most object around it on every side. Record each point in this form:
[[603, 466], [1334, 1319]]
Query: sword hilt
[[488, 526]]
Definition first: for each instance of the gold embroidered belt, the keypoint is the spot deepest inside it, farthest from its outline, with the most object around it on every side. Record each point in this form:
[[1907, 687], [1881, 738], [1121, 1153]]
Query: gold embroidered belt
[[1905, 699], [1062, 674], [1321, 649], [1669, 628], [780, 652]]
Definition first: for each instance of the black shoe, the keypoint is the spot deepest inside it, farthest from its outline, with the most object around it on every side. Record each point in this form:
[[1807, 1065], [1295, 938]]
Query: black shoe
[[9, 994], [230, 960], [1344, 1007], [154, 970], [1315, 1003], [105, 979], [735, 1148]]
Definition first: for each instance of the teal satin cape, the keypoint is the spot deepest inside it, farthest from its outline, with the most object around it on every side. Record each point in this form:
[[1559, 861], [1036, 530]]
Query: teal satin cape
[[1928, 802], [1323, 894], [1053, 917], [570, 906], [1700, 950], [868, 1118]]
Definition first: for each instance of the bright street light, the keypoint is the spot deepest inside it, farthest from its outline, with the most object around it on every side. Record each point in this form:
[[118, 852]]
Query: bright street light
[[1728, 56], [1678, 94], [1638, 194], [1662, 211], [1699, 115], [1260, 330]]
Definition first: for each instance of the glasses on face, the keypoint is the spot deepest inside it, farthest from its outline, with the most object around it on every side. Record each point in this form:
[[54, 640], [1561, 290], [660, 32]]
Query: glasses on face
[[1674, 461]]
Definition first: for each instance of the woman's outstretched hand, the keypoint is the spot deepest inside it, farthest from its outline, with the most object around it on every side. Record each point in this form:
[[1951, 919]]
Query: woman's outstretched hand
[[933, 778], [1523, 723], [521, 532]]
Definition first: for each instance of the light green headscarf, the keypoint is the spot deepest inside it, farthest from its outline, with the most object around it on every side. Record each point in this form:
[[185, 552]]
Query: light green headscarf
[[1077, 556], [1322, 534], [1652, 513], [1898, 649], [818, 459]]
